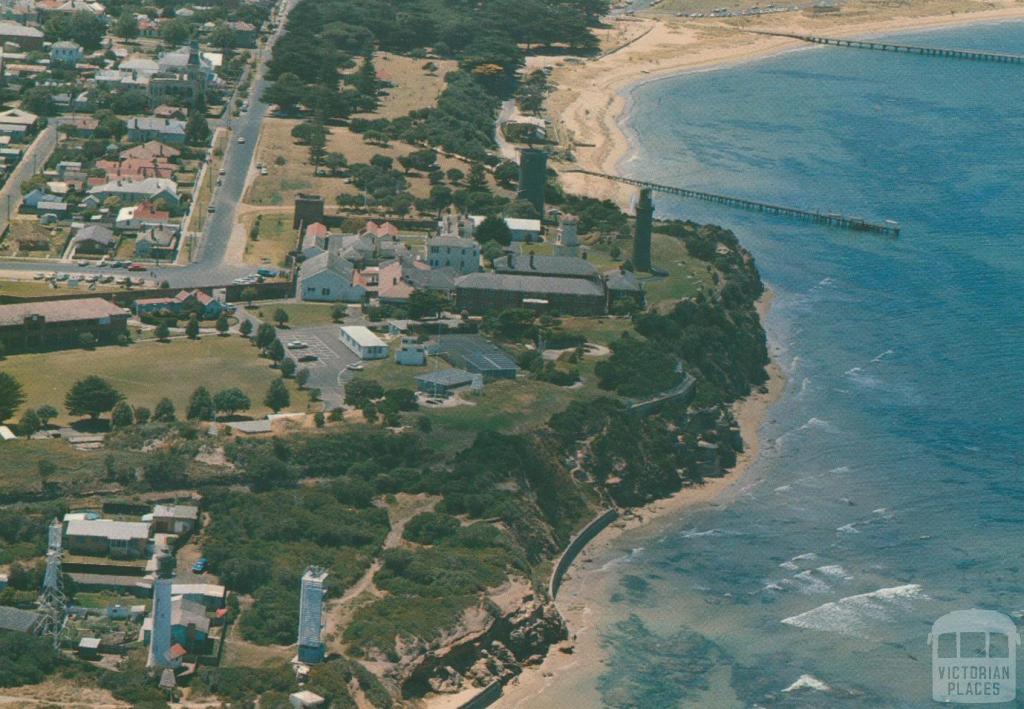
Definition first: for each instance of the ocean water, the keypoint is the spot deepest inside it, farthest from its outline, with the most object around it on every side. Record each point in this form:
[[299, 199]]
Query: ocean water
[[890, 488]]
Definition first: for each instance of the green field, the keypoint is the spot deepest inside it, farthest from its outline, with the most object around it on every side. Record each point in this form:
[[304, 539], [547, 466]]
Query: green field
[[19, 464], [275, 238], [686, 273], [148, 371], [299, 314]]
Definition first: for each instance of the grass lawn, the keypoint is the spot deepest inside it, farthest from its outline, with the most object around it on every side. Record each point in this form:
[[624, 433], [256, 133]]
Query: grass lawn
[[393, 376], [147, 371], [103, 599], [686, 273], [19, 464], [598, 330], [30, 228], [283, 182], [276, 238], [412, 86], [299, 314]]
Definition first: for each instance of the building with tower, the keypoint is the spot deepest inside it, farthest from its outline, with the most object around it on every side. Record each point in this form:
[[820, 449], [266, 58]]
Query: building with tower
[[533, 177], [311, 610], [642, 237]]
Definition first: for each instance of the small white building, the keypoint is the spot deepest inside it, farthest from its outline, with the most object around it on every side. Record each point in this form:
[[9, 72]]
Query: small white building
[[527, 230], [363, 342], [412, 353]]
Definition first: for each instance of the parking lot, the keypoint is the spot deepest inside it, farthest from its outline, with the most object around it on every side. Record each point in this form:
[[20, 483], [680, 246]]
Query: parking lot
[[328, 372]]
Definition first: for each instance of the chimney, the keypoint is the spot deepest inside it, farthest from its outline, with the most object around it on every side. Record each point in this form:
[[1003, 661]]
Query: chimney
[[531, 260]]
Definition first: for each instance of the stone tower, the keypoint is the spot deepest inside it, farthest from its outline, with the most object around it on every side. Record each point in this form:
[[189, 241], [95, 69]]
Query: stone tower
[[533, 177], [642, 238]]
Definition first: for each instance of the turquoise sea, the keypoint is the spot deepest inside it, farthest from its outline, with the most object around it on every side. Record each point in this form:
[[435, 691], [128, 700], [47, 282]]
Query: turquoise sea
[[890, 488]]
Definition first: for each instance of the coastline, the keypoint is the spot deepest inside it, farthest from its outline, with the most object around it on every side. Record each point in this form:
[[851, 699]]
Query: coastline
[[591, 99], [585, 645], [589, 104]]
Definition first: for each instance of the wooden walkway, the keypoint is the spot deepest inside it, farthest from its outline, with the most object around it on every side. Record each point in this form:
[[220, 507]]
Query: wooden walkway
[[878, 46], [888, 228]]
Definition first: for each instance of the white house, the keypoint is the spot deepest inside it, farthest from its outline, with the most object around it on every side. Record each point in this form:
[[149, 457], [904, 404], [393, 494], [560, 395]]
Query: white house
[[151, 188], [363, 342], [66, 52], [451, 252], [327, 277]]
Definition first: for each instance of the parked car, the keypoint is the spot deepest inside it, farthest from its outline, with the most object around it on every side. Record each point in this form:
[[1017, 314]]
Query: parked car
[[308, 358], [267, 272], [297, 345], [241, 139], [83, 263], [211, 209], [356, 366], [39, 277], [137, 267], [200, 566]]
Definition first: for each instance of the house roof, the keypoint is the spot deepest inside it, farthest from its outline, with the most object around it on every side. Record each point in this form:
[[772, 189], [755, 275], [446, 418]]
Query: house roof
[[59, 310], [159, 235], [210, 590], [446, 377], [528, 284], [108, 529], [94, 232], [514, 223], [149, 186], [176, 511], [620, 280], [185, 612], [164, 126], [149, 150], [15, 29], [453, 242], [18, 620], [545, 265], [362, 336], [16, 116]]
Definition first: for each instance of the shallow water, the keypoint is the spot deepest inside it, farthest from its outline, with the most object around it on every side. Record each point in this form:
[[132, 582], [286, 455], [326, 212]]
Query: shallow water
[[889, 491]]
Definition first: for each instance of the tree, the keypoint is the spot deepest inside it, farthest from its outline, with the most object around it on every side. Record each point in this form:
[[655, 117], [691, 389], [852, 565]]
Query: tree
[[122, 415], [506, 173], [192, 327], [265, 335], [287, 92], [316, 136], [162, 332], [281, 317], [142, 415], [222, 36], [91, 396], [175, 32], [492, 250], [126, 27], [338, 313], [11, 396], [277, 351], [197, 129], [287, 367], [230, 401], [249, 294], [164, 411], [426, 303], [302, 377], [200, 406], [245, 327], [83, 27], [223, 325], [39, 100], [29, 422], [335, 162], [477, 181], [455, 175], [493, 229], [360, 391], [46, 413], [440, 197], [277, 396], [87, 340], [401, 399]]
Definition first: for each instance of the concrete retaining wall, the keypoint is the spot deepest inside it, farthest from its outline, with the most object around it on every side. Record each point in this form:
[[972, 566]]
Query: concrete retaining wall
[[595, 527]]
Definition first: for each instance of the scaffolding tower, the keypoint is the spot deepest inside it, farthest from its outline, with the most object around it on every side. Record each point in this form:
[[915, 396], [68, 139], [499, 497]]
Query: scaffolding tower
[[52, 601]]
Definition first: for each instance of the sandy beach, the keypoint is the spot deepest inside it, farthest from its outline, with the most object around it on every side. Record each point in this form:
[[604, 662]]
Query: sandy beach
[[590, 98]]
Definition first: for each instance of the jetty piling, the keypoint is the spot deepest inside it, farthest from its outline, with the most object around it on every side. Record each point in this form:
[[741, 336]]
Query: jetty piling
[[874, 45], [887, 228]]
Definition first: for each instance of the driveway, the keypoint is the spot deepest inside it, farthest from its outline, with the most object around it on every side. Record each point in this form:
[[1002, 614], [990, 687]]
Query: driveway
[[328, 373]]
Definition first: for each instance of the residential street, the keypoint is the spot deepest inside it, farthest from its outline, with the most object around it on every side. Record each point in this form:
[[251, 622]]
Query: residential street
[[210, 267]]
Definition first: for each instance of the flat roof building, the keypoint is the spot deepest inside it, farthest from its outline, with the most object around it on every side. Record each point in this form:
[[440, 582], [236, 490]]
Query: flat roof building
[[53, 324], [492, 292], [106, 537], [364, 343], [444, 381], [476, 355]]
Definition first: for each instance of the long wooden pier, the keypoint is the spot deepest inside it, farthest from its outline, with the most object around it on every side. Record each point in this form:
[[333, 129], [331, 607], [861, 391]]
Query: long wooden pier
[[888, 228], [879, 46]]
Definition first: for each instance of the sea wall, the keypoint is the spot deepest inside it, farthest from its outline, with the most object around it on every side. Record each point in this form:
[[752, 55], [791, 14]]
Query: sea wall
[[593, 528]]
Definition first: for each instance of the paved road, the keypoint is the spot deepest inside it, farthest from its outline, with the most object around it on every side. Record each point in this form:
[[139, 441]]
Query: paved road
[[209, 267]]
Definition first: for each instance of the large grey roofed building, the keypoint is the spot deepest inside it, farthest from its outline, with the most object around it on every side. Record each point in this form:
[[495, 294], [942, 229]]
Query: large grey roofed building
[[536, 265], [490, 292]]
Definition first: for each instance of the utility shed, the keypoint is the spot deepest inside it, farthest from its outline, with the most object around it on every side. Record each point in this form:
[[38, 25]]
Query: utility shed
[[364, 343], [476, 354]]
